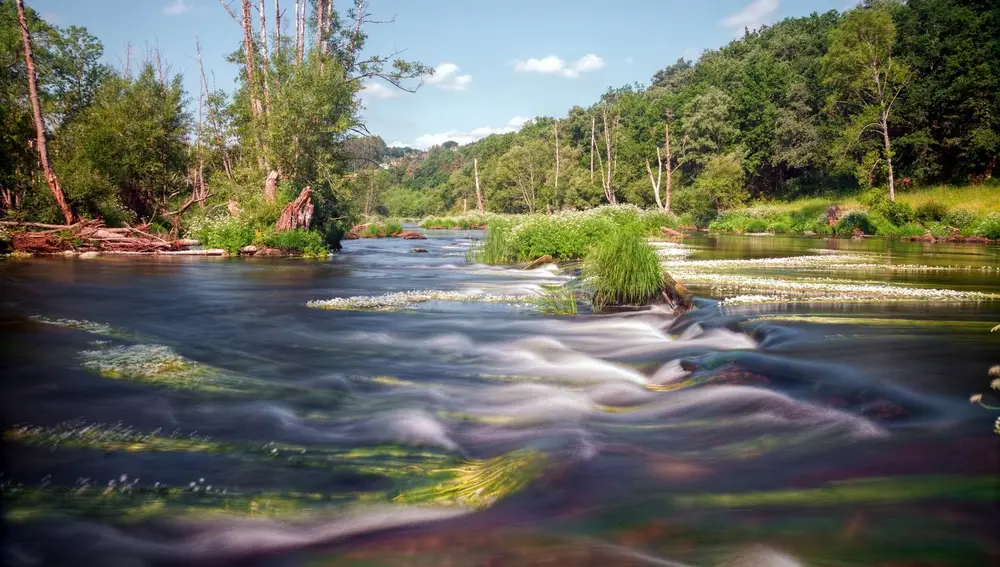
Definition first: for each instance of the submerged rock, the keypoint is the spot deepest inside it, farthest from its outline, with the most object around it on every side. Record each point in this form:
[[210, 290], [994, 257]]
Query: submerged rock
[[539, 262], [412, 235], [419, 251], [249, 250]]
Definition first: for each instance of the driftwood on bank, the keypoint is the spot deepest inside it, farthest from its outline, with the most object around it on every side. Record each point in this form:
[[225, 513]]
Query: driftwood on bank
[[88, 236]]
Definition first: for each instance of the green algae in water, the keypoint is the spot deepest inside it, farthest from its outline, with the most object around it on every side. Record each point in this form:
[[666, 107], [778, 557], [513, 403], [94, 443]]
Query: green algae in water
[[873, 490], [480, 484], [81, 325], [154, 364]]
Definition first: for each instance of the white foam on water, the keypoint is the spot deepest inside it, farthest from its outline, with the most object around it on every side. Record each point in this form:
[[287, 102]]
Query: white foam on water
[[532, 404], [741, 402], [669, 373], [547, 357], [236, 539], [411, 427], [619, 394]]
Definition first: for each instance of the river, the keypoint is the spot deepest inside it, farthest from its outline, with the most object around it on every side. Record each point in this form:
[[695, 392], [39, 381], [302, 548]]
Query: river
[[814, 410]]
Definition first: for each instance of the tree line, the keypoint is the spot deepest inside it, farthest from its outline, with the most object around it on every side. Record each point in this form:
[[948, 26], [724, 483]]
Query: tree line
[[886, 95], [85, 140]]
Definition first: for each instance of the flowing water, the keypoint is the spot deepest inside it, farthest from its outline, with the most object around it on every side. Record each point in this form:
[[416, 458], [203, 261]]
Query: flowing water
[[814, 410]]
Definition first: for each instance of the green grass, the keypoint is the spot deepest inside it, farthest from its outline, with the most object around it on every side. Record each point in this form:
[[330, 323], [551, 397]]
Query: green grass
[[300, 240], [380, 229], [464, 222], [556, 300], [565, 235], [623, 270], [940, 210]]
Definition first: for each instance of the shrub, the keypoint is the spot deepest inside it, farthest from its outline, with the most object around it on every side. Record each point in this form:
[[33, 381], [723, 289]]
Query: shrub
[[308, 242], [932, 211], [623, 270], [989, 227], [757, 225], [854, 220], [227, 233], [696, 205], [960, 218], [877, 201]]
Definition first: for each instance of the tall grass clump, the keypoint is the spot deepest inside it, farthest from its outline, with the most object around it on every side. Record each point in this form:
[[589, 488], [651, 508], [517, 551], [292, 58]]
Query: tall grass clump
[[495, 249], [556, 300], [623, 270]]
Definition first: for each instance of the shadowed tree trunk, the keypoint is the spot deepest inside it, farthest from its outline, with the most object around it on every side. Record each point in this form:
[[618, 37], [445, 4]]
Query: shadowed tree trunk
[[36, 109], [271, 187]]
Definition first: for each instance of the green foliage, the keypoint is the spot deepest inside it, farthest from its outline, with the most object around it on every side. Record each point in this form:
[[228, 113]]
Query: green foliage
[[989, 227], [229, 234], [308, 242], [467, 222], [932, 211], [960, 218], [854, 220], [623, 270], [723, 179]]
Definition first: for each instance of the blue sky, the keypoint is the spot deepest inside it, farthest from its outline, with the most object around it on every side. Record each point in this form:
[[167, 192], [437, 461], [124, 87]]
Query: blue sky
[[499, 63]]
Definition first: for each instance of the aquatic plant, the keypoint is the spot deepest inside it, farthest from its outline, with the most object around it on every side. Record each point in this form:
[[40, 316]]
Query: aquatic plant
[[555, 300], [822, 290], [623, 270], [402, 299], [852, 492], [157, 364], [481, 483], [81, 325]]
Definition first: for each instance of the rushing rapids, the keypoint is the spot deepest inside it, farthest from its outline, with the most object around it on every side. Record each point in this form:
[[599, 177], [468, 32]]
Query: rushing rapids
[[813, 410]]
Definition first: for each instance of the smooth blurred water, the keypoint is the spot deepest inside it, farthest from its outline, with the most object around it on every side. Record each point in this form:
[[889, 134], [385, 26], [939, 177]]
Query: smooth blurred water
[[812, 433]]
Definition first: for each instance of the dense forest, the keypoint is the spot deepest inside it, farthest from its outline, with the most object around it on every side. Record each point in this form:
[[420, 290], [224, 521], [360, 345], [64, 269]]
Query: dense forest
[[888, 95]]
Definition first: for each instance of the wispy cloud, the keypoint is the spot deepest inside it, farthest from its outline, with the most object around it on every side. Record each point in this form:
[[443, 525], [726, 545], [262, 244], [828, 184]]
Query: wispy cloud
[[448, 76], [176, 8], [754, 15], [374, 90], [553, 65], [466, 137]]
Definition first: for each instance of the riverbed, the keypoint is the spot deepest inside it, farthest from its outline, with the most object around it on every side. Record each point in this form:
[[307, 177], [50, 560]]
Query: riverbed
[[814, 409]]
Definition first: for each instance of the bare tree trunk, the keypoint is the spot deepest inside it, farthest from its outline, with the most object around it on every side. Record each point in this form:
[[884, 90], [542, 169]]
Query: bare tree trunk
[[555, 129], [656, 182], [607, 179], [265, 65], [670, 170], [888, 155], [36, 109], [320, 26], [479, 194], [302, 32], [128, 61], [271, 187], [593, 145]]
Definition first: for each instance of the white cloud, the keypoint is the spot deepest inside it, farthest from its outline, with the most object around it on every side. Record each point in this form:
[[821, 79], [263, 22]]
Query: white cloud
[[467, 137], [446, 76], [377, 90], [553, 65], [397, 145], [752, 16], [176, 8]]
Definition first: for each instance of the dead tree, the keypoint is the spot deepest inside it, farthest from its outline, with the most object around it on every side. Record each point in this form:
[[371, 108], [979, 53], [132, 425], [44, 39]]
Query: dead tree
[[271, 187], [479, 194], [265, 56], [256, 105], [36, 109], [609, 167], [555, 130], [593, 145], [298, 213], [213, 118], [669, 167]]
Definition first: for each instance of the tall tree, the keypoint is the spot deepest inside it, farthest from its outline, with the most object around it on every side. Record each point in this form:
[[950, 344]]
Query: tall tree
[[859, 64], [36, 108]]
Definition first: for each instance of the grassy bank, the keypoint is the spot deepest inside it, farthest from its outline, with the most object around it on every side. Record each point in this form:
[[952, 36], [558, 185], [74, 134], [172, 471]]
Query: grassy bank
[[941, 211]]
